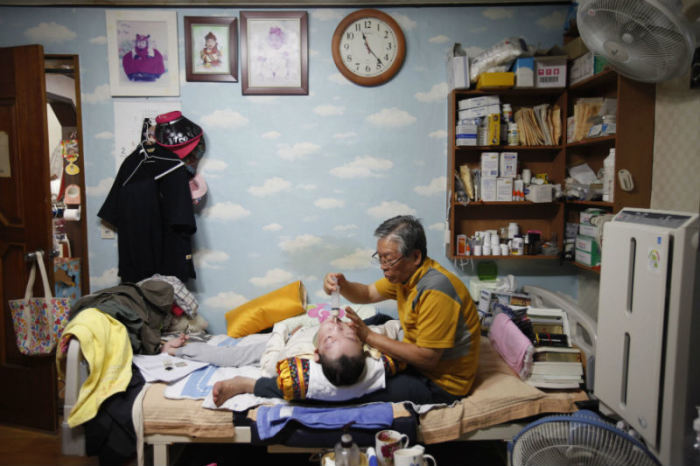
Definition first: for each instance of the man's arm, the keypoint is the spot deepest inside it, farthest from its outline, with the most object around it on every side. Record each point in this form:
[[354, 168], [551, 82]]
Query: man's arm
[[355, 292]]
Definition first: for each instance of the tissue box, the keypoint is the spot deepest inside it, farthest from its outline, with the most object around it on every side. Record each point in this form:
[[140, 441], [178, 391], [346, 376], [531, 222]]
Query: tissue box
[[587, 251], [550, 71], [457, 72], [524, 69]]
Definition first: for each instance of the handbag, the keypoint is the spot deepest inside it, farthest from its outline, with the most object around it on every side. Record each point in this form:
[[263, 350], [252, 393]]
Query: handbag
[[39, 322]]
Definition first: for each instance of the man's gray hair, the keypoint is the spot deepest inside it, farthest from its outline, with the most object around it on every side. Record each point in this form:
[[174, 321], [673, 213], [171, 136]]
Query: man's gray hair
[[407, 232]]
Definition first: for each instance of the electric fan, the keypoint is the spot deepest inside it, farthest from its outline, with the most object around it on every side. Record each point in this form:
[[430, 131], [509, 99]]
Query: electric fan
[[582, 438], [645, 40]]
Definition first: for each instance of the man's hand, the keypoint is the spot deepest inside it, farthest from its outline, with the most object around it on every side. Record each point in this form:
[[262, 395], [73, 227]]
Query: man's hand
[[332, 281], [357, 324]]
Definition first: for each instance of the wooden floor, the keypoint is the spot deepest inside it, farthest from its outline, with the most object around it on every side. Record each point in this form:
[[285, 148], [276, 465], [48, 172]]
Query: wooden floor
[[31, 447]]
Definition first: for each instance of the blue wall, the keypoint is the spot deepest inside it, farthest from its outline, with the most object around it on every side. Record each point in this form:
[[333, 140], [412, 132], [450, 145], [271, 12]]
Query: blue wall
[[297, 184]]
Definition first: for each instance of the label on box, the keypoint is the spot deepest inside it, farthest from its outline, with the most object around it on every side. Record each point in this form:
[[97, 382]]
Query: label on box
[[478, 112], [585, 243], [489, 165], [504, 189], [474, 102], [509, 164], [550, 72], [586, 258]]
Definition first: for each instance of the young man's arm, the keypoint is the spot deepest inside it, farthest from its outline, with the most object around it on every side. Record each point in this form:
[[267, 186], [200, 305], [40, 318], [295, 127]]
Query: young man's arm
[[355, 292]]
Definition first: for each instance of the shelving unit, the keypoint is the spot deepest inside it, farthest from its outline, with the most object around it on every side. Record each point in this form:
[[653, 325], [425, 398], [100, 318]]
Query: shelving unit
[[633, 143]]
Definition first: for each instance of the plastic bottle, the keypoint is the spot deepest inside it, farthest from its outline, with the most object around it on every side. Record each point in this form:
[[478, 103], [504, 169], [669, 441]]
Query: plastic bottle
[[335, 298], [347, 453], [506, 118], [609, 176]]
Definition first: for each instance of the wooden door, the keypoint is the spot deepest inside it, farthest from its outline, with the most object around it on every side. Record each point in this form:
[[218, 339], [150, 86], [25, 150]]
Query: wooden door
[[28, 388]]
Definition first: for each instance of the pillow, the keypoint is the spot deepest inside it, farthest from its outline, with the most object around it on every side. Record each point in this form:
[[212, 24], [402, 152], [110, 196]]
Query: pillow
[[263, 312]]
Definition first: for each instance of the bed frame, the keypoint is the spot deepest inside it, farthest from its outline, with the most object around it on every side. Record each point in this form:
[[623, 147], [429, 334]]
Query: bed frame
[[73, 440]]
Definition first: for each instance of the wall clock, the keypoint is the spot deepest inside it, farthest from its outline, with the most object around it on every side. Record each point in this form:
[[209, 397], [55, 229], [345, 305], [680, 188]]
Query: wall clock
[[368, 47]]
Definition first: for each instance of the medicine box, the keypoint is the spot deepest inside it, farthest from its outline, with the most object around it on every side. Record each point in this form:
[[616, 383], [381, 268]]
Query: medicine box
[[494, 128], [550, 71], [465, 133], [495, 80], [587, 230], [488, 189], [489, 298], [504, 189], [474, 102], [524, 69], [509, 164], [478, 112], [587, 251], [458, 72], [489, 165], [589, 214], [586, 66], [539, 193]]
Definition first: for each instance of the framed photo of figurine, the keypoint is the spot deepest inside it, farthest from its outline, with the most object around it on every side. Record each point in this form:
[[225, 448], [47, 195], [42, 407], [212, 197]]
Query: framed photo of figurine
[[274, 52], [211, 48], [142, 53]]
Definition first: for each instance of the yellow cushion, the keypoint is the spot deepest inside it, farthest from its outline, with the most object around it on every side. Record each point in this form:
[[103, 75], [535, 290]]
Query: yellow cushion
[[263, 312]]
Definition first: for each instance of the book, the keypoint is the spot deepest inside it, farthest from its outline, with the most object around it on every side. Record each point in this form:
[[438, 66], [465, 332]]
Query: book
[[552, 356], [557, 369]]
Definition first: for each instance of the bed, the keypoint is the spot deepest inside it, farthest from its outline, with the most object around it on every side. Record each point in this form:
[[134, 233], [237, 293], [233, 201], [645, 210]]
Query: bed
[[499, 405]]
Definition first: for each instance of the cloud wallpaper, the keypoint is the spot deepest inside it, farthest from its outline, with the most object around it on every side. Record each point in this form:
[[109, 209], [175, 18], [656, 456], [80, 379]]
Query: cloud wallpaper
[[297, 184]]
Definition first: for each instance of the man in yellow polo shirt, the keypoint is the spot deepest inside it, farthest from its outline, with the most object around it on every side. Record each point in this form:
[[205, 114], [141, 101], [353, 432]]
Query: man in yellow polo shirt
[[438, 317]]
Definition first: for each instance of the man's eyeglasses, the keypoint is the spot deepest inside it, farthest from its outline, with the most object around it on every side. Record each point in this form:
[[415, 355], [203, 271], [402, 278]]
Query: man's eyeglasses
[[383, 261]]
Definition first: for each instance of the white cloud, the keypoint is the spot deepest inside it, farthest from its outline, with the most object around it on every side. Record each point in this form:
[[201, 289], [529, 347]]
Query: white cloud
[[437, 93], [329, 110], [100, 94], [262, 99], [438, 134], [46, 33], [359, 259], [225, 300], [209, 258], [391, 117], [271, 135], [404, 21], [99, 40], [363, 167], [299, 243], [104, 135], [329, 203], [553, 21], [439, 39], [226, 118], [297, 151], [345, 227], [347, 135], [272, 227], [312, 53], [102, 188], [388, 209], [326, 15], [339, 79], [212, 167], [226, 211], [272, 277], [498, 13], [440, 226], [474, 51], [270, 186], [306, 187], [108, 279], [437, 186]]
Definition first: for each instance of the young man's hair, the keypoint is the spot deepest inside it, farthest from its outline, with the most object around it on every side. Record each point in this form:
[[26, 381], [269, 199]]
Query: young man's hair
[[345, 370], [407, 232]]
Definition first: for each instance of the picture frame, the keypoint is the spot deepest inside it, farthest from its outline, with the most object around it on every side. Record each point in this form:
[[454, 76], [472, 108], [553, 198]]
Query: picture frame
[[274, 53], [211, 48], [142, 53]]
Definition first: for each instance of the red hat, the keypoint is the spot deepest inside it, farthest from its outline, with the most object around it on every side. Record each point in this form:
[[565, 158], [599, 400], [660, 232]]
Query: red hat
[[177, 134]]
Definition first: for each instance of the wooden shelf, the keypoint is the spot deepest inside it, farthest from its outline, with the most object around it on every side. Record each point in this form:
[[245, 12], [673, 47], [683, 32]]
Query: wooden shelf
[[607, 205], [605, 78], [595, 269], [505, 148], [523, 257], [593, 141], [503, 203], [512, 91]]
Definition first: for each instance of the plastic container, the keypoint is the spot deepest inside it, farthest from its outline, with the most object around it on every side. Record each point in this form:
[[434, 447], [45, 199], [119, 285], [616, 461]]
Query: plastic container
[[347, 453]]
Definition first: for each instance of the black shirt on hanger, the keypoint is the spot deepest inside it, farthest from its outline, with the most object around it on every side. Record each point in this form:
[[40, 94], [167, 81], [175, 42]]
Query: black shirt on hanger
[[154, 218]]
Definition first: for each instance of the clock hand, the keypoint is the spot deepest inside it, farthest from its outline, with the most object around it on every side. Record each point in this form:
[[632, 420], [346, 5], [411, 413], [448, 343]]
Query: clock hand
[[369, 49]]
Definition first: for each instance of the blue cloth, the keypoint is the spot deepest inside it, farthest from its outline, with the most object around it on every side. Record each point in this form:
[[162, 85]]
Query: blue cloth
[[272, 419]]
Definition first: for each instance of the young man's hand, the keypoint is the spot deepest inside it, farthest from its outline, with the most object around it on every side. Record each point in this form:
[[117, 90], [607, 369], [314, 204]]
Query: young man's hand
[[357, 324]]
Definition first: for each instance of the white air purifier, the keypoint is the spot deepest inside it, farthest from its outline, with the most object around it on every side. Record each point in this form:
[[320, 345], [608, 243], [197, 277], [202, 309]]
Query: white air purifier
[[647, 355]]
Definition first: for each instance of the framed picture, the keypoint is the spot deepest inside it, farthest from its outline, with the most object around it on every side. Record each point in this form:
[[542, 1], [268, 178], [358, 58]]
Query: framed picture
[[211, 48], [142, 53], [274, 52]]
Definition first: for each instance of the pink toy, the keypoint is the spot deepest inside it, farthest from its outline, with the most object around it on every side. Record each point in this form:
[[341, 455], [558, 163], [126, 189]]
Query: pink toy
[[323, 311]]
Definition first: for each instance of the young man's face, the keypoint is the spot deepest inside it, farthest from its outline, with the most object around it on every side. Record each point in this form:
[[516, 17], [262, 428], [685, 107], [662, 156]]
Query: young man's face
[[335, 339], [396, 267]]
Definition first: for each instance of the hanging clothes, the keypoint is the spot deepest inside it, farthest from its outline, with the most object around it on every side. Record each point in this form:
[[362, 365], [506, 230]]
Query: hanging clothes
[[150, 204]]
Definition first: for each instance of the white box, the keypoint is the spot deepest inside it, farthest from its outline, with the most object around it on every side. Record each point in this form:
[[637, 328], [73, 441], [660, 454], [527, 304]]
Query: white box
[[550, 71], [587, 230], [504, 189], [477, 112], [488, 189], [458, 72], [489, 165], [474, 102], [524, 68], [509, 164], [539, 193], [465, 133]]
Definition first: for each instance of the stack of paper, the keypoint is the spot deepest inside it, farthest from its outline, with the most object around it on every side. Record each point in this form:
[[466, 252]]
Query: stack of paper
[[539, 125], [584, 110]]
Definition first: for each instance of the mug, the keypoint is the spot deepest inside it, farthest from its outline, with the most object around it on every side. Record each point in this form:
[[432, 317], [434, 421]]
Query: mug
[[414, 456], [386, 443]]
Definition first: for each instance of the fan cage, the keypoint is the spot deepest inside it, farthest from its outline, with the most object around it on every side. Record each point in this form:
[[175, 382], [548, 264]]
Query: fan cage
[[579, 439]]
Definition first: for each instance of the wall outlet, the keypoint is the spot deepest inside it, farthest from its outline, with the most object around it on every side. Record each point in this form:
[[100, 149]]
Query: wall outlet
[[106, 232]]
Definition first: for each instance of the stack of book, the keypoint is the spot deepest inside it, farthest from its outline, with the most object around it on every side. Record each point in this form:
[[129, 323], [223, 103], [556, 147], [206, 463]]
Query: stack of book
[[555, 363]]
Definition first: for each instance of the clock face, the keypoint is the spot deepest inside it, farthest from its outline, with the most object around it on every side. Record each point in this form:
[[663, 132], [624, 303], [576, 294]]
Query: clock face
[[368, 47]]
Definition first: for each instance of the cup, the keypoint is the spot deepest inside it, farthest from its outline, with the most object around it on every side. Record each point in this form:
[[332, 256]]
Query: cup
[[386, 443], [414, 456]]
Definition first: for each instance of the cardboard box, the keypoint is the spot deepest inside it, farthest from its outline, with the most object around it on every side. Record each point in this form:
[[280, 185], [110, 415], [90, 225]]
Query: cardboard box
[[586, 66], [539, 193], [508, 164], [587, 230], [474, 102], [587, 251], [495, 80], [504, 189], [587, 215], [550, 71], [457, 68], [488, 189], [575, 48], [494, 129], [465, 133], [478, 112], [524, 69], [489, 165]]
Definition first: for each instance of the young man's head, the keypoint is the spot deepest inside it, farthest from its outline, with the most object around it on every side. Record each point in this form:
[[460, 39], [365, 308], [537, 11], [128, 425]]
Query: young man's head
[[340, 352], [401, 247]]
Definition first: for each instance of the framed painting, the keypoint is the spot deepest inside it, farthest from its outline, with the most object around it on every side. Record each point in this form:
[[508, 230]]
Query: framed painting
[[274, 52], [142, 53], [211, 48]]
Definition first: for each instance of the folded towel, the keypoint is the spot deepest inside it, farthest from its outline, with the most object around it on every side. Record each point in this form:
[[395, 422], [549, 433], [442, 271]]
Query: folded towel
[[513, 346]]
